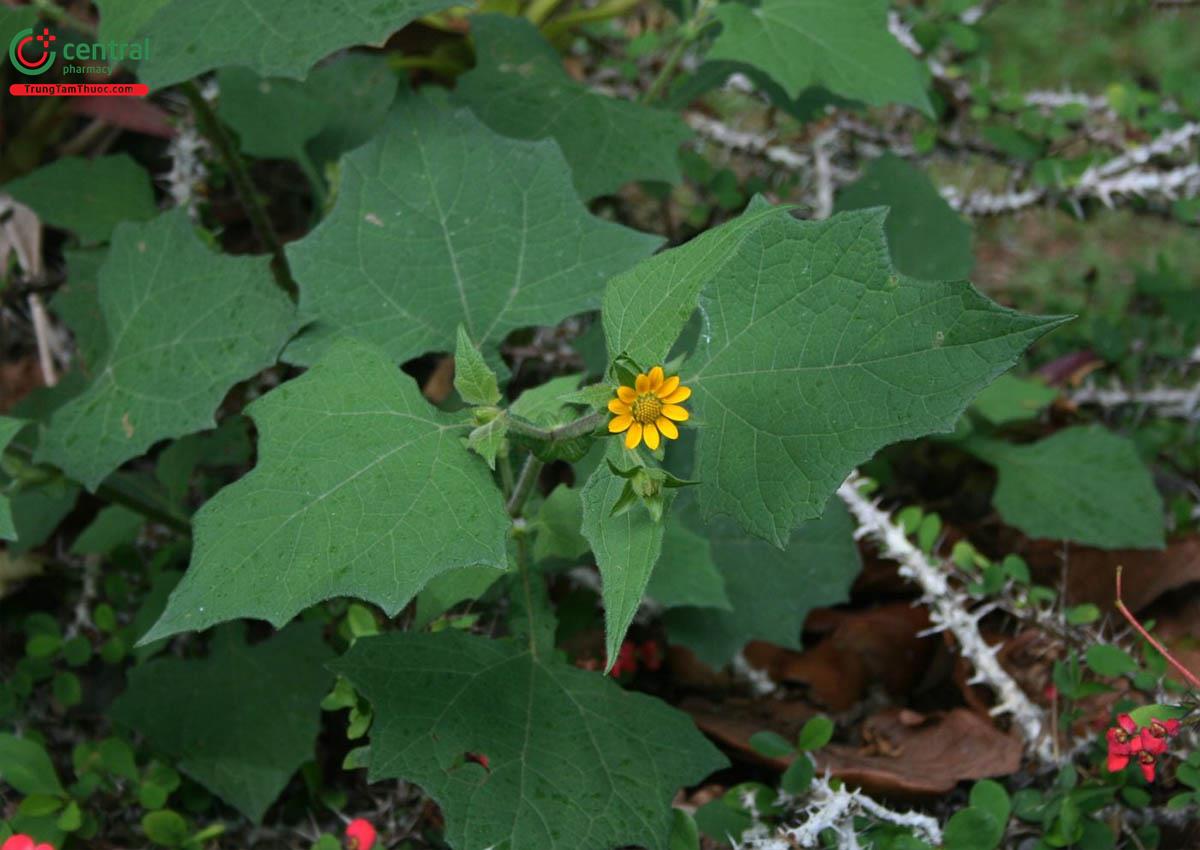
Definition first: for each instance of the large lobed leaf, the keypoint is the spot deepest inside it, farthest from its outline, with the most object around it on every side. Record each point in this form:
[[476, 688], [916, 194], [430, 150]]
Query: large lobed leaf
[[1083, 484], [843, 45], [183, 324], [239, 722], [267, 36], [519, 88], [574, 761], [440, 221], [813, 355], [362, 489]]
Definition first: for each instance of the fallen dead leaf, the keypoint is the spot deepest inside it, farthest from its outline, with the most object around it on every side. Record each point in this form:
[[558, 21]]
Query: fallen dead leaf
[[1149, 573]]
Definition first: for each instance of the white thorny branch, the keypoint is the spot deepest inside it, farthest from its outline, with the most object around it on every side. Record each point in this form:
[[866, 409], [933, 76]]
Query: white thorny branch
[[833, 810], [1130, 173], [1168, 402], [949, 610]]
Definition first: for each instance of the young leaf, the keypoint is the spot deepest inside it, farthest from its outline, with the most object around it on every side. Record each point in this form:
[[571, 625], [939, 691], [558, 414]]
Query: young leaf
[[239, 722], [8, 429], [574, 761], [843, 46], [880, 358], [88, 197], [1012, 399], [25, 766], [926, 238], [1084, 484], [362, 489], [186, 324], [269, 37], [519, 88], [559, 520], [626, 547], [771, 590], [439, 222], [473, 379]]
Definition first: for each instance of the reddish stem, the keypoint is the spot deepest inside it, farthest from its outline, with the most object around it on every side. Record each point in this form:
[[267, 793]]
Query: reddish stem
[[1141, 630]]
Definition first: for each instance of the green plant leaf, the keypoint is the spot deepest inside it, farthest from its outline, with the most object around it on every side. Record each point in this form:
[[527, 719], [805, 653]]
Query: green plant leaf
[[8, 429], [448, 589], [186, 324], [240, 721], [843, 46], [626, 547], [1012, 399], [490, 228], [558, 524], [267, 36], [519, 88], [1142, 715], [771, 744], [926, 238], [165, 828], [1110, 661], [1084, 484], [88, 197], [113, 526], [685, 574], [25, 766], [785, 415], [574, 761], [473, 379], [771, 590], [362, 489], [78, 304], [816, 733], [336, 108]]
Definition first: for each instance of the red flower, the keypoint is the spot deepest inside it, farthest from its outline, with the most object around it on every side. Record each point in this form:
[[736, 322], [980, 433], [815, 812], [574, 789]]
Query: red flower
[[651, 655], [626, 662], [1163, 728], [1123, 741], [1146, 760], [360, 835], [1148, 742], [20, 841]]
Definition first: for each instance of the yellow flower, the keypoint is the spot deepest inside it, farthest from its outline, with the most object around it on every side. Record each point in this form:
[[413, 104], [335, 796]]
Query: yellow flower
[[646, 409]]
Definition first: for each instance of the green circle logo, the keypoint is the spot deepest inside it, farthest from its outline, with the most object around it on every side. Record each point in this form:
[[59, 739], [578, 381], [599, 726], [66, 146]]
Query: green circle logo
[[32, 54]]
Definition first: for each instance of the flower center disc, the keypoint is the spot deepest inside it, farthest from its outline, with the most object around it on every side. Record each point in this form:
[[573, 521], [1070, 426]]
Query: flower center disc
[[646, 408]]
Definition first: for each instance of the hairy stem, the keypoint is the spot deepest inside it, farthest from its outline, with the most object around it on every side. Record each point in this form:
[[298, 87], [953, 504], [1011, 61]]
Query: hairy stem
[[524, 486], [578, 428], [212, 127], [689, 33]]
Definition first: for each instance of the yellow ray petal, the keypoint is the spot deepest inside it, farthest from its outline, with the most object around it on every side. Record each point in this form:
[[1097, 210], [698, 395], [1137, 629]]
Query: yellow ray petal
[[642, 383], [619, 424], [667, 427], [617, 406], [656, 378], [668, 387], [681, 394], [650, 435], [674, 411], [633, 436], [626, 394]]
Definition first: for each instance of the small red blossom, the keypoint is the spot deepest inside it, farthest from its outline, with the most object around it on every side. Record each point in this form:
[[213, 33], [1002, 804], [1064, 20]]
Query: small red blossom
[[651, 655], [1123, 741], [1146, 761], [21, 841], [479, 759], [626, 662], [1163, 728], [360, 835]]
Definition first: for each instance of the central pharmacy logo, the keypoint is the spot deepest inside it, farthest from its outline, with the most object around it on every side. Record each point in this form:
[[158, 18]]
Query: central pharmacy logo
[[32, 54]]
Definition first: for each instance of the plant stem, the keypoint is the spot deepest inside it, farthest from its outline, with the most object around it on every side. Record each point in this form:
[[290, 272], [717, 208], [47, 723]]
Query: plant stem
[[213, 128], [578, 428], [116, 492], [690, 32], [1141, 630], [524, 486], [539, 10], [62, 16], [602, 12]]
